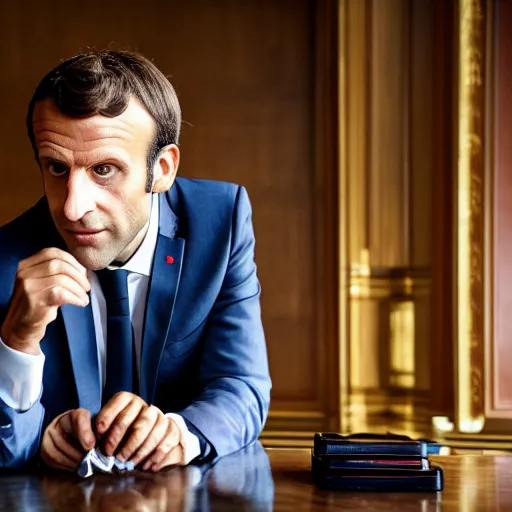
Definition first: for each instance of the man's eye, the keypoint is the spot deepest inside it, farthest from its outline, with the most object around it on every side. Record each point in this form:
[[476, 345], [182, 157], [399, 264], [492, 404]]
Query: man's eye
[[104, 170], [57, 168]]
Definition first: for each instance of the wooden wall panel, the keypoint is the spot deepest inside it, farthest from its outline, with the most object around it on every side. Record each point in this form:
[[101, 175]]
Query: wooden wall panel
[[388, 142], [253, 77], [500, 369], [443, 175], [421, 130]]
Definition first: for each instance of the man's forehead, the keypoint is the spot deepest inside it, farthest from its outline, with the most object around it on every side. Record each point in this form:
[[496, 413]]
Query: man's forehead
[[50, 122]]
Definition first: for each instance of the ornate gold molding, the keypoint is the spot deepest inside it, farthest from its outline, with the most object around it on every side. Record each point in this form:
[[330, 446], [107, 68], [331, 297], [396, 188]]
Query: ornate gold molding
[[367, 282], [343, 208], [470, 218]]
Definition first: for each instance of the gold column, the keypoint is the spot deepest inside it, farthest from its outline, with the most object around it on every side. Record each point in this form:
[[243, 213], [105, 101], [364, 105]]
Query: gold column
[[481, 421], [470, 219], [385, 200], [343, 285]]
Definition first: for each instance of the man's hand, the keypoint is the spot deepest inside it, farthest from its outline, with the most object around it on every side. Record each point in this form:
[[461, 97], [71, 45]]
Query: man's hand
[[67, 439], [136, 431], [44, 282]]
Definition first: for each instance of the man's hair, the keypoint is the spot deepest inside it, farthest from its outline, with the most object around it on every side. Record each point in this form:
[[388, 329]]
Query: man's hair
[[102, 82]]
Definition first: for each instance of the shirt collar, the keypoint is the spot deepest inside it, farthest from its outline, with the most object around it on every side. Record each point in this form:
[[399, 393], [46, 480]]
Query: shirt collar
[[142, 261]]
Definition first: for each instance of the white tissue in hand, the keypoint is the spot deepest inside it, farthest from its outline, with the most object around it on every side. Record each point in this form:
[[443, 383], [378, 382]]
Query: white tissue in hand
[[95, 462]]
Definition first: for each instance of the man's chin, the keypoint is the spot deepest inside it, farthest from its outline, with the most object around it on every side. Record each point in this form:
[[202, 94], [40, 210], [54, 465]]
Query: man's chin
[[90, 258]]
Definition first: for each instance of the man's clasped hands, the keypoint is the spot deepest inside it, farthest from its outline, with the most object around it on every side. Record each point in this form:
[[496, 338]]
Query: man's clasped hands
[[126, 427]]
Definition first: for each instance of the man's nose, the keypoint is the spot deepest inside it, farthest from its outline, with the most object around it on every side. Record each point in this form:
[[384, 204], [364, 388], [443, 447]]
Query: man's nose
[[80, 195]]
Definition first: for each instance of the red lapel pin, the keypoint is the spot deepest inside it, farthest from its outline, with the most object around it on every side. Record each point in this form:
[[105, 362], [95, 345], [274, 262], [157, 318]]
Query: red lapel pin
[[169, 259]]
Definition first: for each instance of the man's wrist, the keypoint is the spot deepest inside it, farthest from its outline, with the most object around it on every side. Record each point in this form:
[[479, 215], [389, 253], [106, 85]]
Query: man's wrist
[[14, 342]]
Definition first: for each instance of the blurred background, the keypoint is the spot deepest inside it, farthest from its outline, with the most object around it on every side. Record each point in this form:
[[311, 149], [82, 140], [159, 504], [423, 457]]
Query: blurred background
[[374, 138]]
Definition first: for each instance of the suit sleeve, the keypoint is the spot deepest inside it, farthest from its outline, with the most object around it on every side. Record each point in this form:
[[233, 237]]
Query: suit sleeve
[[20, 432], [21, 411], [232, 409]]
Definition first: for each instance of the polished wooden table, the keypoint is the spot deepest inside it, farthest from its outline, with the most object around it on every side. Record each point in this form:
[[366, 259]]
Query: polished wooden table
[[255, 479]]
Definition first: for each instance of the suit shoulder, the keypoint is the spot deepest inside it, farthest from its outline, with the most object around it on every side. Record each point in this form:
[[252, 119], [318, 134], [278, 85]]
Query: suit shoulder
[[199, 188], [204, 206], [206, 197]]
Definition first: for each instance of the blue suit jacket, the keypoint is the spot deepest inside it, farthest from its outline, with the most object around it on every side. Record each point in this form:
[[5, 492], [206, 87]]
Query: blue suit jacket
[[203, 349]]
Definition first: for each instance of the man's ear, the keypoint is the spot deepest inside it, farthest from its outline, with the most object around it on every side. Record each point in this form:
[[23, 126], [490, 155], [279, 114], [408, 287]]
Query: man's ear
[[165, 168]]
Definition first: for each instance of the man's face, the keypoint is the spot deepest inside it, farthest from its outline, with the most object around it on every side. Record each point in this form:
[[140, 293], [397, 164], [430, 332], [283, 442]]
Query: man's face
[[94, 175]]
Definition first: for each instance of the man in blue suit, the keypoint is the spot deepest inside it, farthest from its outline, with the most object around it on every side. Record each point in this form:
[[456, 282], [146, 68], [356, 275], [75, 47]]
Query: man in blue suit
[[129, 301]]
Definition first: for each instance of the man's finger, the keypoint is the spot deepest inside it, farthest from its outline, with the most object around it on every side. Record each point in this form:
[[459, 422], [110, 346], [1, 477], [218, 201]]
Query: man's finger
[[64, 452], [58, 296], [59, 453], [141, 443], [51, 253], [52, 286], [82, 428], [173, 458], [60, 433], [166, 450], [109, 412], [53, 268], [53, 290], [125, 420], [64, 439]]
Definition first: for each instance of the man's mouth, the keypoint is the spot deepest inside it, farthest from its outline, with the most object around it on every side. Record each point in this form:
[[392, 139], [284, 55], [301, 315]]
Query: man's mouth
[[85, 236]]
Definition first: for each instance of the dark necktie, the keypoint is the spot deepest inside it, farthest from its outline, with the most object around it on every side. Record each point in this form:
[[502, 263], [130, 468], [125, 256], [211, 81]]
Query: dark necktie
[[119, 342]]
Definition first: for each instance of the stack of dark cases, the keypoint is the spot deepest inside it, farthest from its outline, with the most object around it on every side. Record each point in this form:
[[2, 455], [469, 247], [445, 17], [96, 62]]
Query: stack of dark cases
[[370, 462]]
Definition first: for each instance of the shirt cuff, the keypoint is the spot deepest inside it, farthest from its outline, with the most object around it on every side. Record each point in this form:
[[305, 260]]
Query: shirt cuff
[[21, 377], [189, 441]]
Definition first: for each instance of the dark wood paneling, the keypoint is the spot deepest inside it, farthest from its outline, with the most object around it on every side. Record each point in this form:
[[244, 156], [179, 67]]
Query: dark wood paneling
[[444, 82], [255, 79]]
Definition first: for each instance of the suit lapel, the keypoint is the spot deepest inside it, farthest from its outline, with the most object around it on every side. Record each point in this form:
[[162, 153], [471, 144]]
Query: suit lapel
[[79, 326], [162, 292]]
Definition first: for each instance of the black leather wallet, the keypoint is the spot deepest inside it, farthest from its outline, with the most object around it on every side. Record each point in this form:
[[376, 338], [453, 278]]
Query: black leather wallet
[[378, 479], [373, 462], [386, 444]]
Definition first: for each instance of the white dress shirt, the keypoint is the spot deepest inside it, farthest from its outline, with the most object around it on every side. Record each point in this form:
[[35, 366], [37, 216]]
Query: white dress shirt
[[21, 374]]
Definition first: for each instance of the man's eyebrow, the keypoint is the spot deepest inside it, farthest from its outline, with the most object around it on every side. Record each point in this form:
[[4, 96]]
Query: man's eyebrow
[[98, 157], [108, 156], [46, 154], [54, 147], [105, 158], [53, 159]]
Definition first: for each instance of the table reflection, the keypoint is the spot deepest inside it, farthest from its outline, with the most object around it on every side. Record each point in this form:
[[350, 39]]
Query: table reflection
[[242, 481], [255, 480], [295, 490], [101, 493]]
